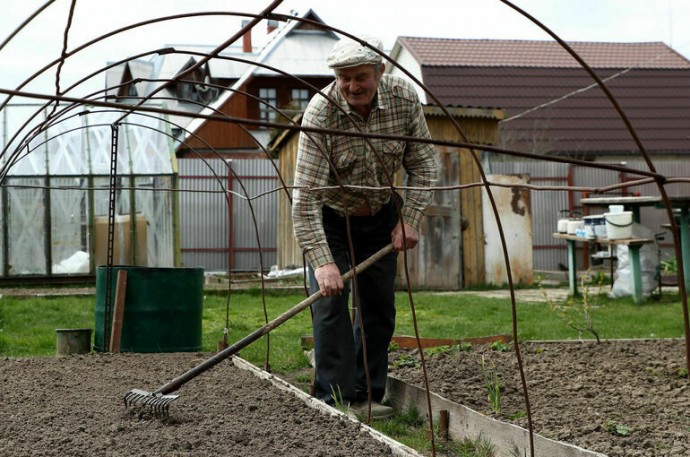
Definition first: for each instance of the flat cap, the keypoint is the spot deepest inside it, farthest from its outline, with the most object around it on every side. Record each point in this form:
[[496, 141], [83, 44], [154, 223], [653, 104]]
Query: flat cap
[[350, 53]]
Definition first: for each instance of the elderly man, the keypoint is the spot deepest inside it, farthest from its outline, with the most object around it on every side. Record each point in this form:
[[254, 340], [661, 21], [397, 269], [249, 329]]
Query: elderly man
[[358, 205]]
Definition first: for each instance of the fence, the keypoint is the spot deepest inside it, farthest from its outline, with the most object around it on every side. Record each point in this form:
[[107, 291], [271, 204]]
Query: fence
[[236, 233]]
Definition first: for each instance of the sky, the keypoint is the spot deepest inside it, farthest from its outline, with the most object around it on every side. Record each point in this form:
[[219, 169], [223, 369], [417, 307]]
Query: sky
[[41, 41]]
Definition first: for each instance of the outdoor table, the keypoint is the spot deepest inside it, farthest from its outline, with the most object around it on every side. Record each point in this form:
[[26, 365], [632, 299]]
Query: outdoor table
[[681, 203], [634, 245], [629, 203]]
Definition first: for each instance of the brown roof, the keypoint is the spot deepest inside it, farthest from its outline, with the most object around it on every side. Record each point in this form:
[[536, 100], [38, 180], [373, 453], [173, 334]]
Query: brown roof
[[541, 54], [548, 108]]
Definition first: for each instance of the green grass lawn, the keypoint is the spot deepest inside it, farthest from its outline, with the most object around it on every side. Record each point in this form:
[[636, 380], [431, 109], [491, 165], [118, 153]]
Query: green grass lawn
[[27, 325]]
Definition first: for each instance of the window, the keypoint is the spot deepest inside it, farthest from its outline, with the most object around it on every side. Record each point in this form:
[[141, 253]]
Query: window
[[270, 99], [299, 98]]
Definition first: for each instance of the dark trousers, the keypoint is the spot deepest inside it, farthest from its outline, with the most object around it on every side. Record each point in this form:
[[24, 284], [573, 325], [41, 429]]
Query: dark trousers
[[339, 353]]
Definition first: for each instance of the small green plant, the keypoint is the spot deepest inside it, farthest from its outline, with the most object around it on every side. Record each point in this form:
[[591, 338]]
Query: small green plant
[[517, 415], [499, 346], [599, 277], [439, 350], [576, 312], [461, 347], [337, 397], [464, 347], [654, 372], [410, 416], [669, 265], [493, 385], [405, 361], [616, 428], [479, 447]]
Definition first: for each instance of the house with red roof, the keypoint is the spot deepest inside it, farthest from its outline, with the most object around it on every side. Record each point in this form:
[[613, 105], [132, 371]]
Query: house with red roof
[[552, 105]]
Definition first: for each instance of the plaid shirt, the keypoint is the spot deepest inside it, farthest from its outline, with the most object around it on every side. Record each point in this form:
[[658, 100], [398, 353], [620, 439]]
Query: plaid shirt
[[396, 111]]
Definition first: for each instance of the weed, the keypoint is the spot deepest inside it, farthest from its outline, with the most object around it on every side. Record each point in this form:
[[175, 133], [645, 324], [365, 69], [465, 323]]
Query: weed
[[493, 385], [577, 312], [410, 416], [306, 377], [616, 428], [479, 447], [682, 373]]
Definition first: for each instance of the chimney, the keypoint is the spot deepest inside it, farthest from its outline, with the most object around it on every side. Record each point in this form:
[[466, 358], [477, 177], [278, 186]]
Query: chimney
[[271, 25], [247, 38]]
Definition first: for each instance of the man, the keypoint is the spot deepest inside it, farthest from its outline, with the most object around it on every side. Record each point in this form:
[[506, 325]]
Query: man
[[325, 220]]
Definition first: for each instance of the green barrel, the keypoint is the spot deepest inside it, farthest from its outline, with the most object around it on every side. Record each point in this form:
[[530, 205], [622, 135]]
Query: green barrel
[[163, 309]]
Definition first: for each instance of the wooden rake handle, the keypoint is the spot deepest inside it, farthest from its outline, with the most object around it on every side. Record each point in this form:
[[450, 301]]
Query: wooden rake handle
[[258, 333]]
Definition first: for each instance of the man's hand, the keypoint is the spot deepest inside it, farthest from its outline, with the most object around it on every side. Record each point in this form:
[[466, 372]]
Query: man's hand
[[329, 279], [411, 237]]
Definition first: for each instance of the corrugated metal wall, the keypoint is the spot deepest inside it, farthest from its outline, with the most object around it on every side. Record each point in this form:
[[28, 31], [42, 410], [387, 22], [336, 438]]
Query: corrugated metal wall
[[547, 205], [211, 239]]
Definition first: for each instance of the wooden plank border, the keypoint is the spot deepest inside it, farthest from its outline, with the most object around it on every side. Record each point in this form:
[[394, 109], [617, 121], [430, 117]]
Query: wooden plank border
[[465, 423]]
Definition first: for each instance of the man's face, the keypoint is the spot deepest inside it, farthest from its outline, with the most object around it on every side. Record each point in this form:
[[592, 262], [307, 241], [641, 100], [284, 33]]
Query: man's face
[[358, 85]]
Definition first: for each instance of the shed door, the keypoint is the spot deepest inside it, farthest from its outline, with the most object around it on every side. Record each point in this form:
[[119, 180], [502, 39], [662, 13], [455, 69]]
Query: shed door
[[436, 263]]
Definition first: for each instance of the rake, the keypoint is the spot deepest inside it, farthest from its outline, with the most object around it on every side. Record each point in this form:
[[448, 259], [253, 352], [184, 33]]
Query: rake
[[159, 400]]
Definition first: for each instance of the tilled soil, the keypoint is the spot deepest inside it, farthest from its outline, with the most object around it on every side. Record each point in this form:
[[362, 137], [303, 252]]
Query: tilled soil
[[619, 398], [72, 406]]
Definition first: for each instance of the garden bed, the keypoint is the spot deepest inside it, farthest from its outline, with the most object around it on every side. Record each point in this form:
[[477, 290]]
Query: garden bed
[[60, 406], [625, 398]]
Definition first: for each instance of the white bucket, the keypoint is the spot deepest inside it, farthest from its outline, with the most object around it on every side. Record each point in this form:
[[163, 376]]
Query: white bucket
[[618, 225], [573, 226], [562, 226]]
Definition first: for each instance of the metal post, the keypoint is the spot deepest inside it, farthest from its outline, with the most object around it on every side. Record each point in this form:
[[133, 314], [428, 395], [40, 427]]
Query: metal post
[[572, 268], [108, 302], [636, 272], [231, 238], [684, 228]]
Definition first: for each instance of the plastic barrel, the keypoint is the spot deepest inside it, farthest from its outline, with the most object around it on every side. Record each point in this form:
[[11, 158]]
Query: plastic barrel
[[162, 312]]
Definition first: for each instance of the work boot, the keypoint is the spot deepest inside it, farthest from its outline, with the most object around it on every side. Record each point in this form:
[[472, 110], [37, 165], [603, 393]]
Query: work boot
[[378, 411]]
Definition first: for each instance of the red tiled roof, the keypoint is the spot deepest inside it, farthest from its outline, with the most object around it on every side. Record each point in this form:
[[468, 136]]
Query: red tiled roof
[[554, 113], [542, 54]]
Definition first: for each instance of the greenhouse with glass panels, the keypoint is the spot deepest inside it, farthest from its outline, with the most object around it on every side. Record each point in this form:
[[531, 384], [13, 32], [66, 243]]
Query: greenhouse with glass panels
[[56, 197]]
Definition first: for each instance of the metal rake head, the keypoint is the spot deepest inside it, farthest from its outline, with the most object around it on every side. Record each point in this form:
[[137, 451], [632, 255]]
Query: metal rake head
[[158, 403]]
